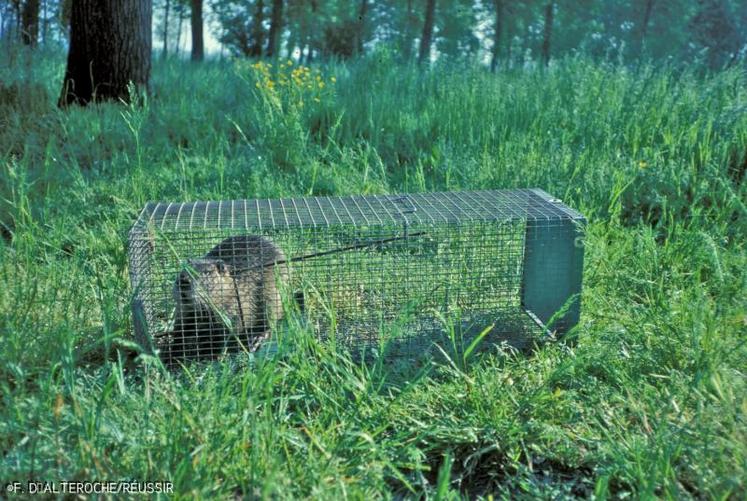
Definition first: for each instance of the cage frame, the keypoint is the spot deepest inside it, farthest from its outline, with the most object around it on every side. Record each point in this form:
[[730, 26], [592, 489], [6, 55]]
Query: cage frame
[[553, 240]]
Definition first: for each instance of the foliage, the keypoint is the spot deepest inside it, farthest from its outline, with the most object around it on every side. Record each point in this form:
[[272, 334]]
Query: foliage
[[236, 18], [456, 34], [339, 39], [648, 400], [628, 30], [632, 31], [715, 33]]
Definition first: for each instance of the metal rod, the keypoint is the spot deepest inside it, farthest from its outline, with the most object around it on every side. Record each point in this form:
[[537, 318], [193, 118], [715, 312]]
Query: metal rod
[[539, 323], [343, 249]]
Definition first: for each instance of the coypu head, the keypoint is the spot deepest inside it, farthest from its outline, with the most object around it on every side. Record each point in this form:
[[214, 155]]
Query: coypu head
[[205, 285]]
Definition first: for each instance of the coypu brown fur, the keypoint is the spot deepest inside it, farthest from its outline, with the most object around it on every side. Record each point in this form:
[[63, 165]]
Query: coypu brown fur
[[228, 298]]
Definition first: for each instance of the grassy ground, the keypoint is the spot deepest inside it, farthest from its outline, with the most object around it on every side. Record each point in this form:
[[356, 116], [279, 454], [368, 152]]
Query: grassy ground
[[650, 399]]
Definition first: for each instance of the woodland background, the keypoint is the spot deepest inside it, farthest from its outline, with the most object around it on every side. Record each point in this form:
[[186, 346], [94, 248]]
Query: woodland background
[[633, 112]]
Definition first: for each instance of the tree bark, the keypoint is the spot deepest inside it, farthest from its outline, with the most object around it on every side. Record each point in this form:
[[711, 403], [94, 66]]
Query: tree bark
[[276, 21], [110, 46], [198, 44], [497, 34], [30, 22], [425, 41], [166, 28], [547, 34], [258, 30]]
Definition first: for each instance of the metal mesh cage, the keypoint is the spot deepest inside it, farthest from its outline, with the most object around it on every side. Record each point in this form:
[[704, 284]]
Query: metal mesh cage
[[215, 277]]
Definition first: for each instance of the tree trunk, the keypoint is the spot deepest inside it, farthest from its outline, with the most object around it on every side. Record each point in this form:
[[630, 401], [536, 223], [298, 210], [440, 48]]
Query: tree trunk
[[18, 18], [45, 22], [425, 41], [8, 20], [276, 21], [30, 22], [546, 36], [258, 30], [3, 17], [646, 20], [64, 14], [509, 46], [314, 29], [179, 29], [407, 42], [110, 46], [166, 28], [361, 26], [497, 35], [198, 45]]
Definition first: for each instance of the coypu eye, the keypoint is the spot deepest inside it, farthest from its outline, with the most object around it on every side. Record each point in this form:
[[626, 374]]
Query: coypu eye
[[221, 266]]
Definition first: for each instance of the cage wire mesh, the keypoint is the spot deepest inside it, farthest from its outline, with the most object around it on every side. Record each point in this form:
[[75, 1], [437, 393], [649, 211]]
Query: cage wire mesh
[[215, 277]]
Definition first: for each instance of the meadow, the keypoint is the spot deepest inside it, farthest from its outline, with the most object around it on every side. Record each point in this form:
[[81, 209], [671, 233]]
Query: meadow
[[647, 397]]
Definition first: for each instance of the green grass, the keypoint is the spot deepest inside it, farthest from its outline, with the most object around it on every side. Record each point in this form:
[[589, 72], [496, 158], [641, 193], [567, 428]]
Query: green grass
[[649, 400]]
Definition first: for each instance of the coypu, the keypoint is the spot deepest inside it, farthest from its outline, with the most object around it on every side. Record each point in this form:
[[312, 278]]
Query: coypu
[[229, 297]]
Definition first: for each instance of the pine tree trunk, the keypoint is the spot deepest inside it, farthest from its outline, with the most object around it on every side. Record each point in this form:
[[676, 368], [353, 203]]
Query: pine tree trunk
[[166, 28], [547, 35], [276, 21], [497, 34], [110, 46], [425, 41], [258, 30], [198, 45], [30, 22]]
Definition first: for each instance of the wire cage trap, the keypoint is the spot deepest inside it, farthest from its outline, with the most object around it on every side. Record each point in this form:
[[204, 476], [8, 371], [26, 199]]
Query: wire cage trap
[[210, 278]]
